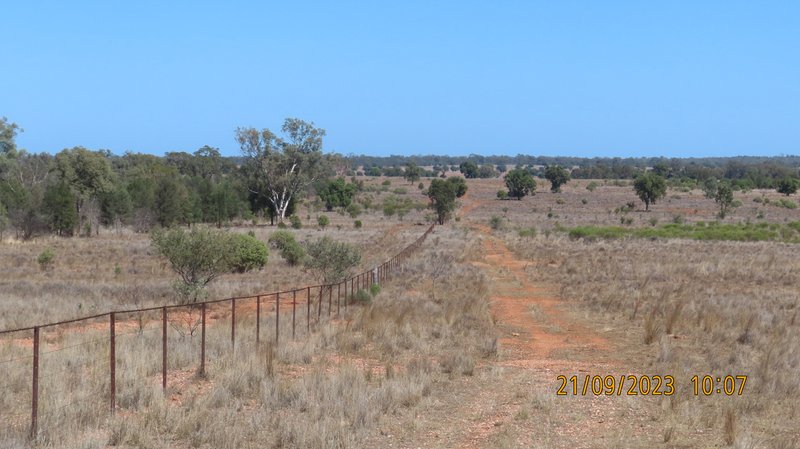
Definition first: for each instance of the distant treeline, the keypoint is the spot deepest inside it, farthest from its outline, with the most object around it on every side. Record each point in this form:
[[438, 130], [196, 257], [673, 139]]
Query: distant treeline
[[746, 172]]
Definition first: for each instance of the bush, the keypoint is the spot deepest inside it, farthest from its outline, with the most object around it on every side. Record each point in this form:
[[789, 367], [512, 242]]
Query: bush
[[323, 221], [527, 232], [354, 209], [295, 221], [502, 194], [787, 203], [362, 297], [45, 259], [281, 225], [357, 224], [591, 186], [198, 257], [386, 182], [400, 191], [330, 260], [280, 239], [496, 222], [247, 253], [420, 186], [374, 289], [293, 253]]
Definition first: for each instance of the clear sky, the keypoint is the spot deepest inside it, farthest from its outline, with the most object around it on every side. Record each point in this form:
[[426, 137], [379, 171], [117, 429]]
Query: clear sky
[[581, 78]]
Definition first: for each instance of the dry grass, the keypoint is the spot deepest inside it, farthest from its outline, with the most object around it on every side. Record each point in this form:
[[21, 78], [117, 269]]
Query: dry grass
[[330, 388], [722, 308]]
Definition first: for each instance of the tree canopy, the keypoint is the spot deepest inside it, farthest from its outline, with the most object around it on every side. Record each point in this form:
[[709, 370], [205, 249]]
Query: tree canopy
[[557, 176], [520, 183], [650, 187]]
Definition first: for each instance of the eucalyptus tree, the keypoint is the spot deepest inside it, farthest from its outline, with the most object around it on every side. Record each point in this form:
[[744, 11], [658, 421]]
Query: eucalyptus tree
[[281, 169]]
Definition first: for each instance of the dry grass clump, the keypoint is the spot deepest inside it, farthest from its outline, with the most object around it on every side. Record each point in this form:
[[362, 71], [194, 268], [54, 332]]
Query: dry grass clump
[[332, 387], [721, 308]]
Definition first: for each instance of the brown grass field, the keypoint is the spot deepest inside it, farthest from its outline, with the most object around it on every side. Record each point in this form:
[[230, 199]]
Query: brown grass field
[[461, 350]]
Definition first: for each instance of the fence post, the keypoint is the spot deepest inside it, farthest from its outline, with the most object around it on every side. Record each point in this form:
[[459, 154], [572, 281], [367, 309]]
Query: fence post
[[112, 351], [277, 316], [330, 298], [258, 319], [35, 386], [203, 339], [308, 311], [294, 306], [164, 349], [338, 296], [319, 306], [345, 294], [233, 323]]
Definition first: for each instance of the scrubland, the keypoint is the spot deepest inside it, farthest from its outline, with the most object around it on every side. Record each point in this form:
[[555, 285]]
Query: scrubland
[[420, 364]]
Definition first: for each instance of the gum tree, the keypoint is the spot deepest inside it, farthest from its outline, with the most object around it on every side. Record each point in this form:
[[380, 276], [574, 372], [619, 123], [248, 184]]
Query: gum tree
[[650, 187], [281, 169]]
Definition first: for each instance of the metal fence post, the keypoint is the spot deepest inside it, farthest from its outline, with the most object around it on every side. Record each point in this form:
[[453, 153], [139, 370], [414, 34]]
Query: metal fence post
[[258, 319], [308, 311], [338, 296], [319, 305], [35, 387], [330, 298], [203, 339], [233, 323], [277, 316], [164, 349], [294, 306], [112, 362]]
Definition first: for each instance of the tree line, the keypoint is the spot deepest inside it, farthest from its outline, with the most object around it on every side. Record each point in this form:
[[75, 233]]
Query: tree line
[[77, 190]]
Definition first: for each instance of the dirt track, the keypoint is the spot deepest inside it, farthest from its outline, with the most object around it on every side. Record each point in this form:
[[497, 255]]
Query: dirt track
[[540, 338]]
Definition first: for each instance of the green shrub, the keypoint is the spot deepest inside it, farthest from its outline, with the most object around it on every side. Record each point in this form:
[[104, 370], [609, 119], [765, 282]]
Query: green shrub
[[502, 195], [421, 186], [281, 225], [362, 297], [496, 222], [247, 253], [323, 221], [386, 182], [584, 201], [527, 232], [783, 202], [560, 200], [357, 224], [354, 209], [331, 261], [293, 253], [295, 221], [46, 258], [281, 238], [400, 191], [374, 289], [591, 186]]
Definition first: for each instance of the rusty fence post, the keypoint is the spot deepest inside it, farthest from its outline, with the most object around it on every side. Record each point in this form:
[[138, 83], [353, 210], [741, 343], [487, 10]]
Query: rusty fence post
[[319, 305], [258, 319], [277, 316], [164, 349], [35, 386], [203, 339], [233, 323], [112, 361], [294, 306]]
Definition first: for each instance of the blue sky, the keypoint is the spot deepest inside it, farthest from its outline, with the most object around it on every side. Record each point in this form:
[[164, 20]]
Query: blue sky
[[581, 78]]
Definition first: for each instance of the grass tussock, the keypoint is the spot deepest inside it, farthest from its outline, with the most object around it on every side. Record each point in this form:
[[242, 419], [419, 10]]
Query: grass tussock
[[716, 308]]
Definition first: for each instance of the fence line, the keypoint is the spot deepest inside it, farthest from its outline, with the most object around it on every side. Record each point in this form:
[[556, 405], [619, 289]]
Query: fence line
[[364, 280]]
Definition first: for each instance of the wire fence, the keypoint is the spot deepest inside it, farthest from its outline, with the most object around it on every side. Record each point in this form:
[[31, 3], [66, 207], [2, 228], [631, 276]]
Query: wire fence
[[66, 372]]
